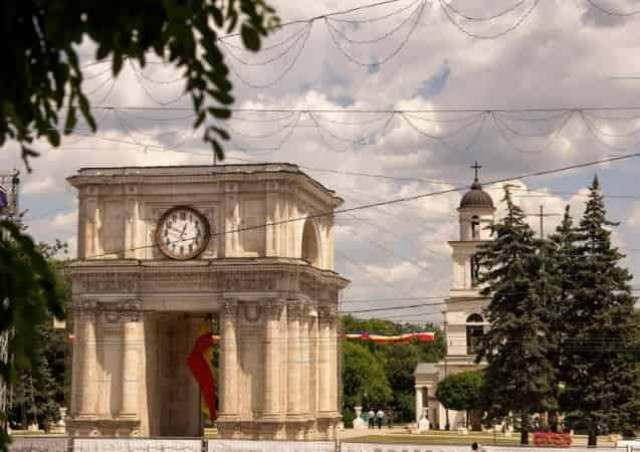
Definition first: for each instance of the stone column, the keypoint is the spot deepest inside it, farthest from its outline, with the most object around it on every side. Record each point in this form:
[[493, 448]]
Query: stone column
[[272, 362], [232, 221], [87, 388], [333, 356], [312, 367], [293, 357], [229, 362], [418, 403], [133, 333], [324, 338], [305, 361], [131, 225]]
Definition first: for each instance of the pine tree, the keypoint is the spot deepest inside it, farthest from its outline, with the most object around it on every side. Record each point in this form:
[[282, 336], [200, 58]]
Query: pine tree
[[561, 255], [519, 376], [599, 372]]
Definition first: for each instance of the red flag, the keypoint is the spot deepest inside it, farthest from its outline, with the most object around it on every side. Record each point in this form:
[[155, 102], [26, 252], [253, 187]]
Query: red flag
[[199, 361]]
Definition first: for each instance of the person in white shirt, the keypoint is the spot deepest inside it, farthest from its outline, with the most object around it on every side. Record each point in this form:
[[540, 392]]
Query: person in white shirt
[[380, 416], [372, 418]]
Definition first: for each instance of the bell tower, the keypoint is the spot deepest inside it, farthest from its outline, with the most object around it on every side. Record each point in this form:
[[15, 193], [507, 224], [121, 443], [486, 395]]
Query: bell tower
[[475, 216], [464, 322]]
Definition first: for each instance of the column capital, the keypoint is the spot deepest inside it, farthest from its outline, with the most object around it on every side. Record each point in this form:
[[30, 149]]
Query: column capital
[[230, 306], [273, 308], [86, 309], [130, 310], [295, 307], [328, 314]]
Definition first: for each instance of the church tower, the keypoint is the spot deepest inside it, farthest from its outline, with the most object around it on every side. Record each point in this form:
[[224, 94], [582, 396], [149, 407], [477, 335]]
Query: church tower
[[475, 216], [464, 322]]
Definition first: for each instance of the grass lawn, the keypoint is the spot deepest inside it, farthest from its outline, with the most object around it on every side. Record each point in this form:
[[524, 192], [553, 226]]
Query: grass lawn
[[443, 438], [453, 438]]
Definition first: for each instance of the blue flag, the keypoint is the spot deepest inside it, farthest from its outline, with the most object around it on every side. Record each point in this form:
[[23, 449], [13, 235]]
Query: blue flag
[[4, 201]]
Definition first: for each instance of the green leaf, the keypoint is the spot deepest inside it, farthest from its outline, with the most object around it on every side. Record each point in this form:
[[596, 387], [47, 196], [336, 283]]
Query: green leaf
[[103, 51], [71, 121], [218, 149], [221, 132], [28, 153], [217, 15], [250, 37], [86, 112], [117, 63], [220, 113], [200, 119], [54, 137]]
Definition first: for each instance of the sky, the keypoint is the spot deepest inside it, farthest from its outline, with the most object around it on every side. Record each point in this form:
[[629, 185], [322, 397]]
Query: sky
[[563, 58]]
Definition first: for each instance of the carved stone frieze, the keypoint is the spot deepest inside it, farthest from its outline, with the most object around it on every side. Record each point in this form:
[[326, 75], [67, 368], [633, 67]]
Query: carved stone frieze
[[106, 282]]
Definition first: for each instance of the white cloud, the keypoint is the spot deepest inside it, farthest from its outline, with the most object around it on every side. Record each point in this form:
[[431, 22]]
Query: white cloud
[[563, 55]]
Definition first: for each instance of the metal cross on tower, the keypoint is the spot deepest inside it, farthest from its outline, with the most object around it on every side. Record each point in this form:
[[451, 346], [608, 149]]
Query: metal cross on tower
[[476, 167]]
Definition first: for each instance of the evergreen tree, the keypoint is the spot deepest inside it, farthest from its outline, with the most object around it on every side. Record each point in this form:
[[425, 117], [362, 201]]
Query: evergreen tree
[[519, 375], [599, 371], [561, 255]]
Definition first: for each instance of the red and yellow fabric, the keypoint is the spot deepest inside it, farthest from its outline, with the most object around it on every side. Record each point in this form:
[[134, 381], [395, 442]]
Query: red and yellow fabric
[[424, 336], [200, 361]]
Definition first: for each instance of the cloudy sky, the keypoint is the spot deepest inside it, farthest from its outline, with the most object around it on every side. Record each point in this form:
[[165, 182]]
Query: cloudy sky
[[416, 57]]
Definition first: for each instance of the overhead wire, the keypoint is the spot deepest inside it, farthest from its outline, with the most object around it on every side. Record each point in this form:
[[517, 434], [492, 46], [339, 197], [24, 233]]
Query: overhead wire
[[509, 29], [610, 12], [552, 137], [378, 61], [493, 16], [287, 68], [387, 34]]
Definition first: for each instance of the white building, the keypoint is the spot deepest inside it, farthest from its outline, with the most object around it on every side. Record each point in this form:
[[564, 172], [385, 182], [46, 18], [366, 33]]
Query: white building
[[463, 313]]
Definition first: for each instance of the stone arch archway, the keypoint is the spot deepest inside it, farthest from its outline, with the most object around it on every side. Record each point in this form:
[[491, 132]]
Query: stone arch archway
[[311, 243]]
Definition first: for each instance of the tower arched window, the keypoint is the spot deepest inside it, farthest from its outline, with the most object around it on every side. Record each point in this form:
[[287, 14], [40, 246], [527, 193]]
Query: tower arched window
[[474, 267], [475, 227], [310, 244], [475, 332]]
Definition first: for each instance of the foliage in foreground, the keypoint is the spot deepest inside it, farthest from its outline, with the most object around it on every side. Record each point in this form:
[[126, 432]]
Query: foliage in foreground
[[43, 76], [30, 293]]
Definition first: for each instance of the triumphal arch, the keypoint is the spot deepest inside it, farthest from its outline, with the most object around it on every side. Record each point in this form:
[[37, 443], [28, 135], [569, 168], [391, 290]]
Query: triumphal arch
[[161, 248]]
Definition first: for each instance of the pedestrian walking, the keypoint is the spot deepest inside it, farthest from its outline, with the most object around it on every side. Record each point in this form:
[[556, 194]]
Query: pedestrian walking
[[372, 418], [390, 418], [380, 416]]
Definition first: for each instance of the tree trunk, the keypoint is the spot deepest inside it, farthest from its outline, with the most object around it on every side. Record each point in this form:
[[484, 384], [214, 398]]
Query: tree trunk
[[553, 421], [524, 429], [467, 413], [593, 433]]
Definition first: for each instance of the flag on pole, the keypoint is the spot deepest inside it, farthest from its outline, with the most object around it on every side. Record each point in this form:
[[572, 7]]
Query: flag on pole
[[200, 361]]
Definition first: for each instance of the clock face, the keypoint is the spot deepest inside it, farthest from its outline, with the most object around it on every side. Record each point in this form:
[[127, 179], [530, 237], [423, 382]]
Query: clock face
[[182, 233]]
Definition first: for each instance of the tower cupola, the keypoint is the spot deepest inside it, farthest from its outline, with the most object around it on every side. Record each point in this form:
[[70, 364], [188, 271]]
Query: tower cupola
[[476, 211]]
